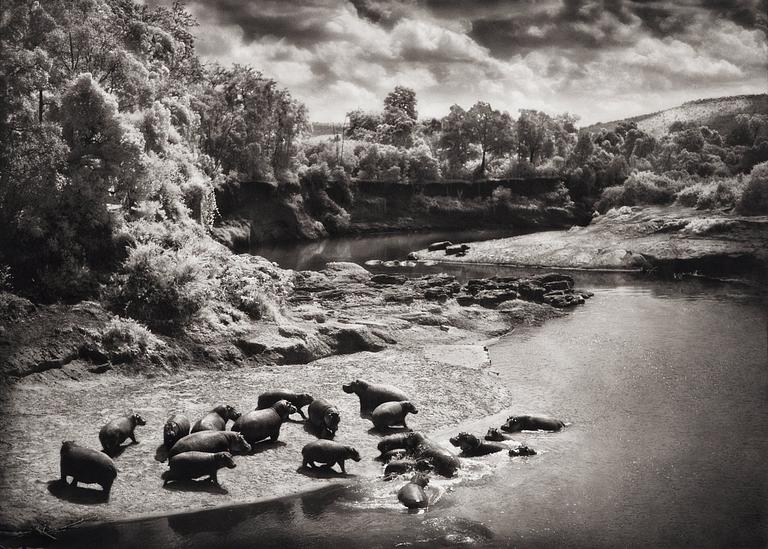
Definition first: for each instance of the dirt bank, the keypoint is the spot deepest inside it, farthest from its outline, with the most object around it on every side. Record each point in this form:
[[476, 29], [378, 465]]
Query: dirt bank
[[673, 239], [334, 326]]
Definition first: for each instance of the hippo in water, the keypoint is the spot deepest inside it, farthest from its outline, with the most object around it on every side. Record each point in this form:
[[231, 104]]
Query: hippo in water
[[413, 495], [515, 424], [443, 461], [472, 446]]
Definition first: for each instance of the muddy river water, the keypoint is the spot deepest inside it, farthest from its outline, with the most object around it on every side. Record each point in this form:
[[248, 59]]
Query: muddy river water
[[665, 389]]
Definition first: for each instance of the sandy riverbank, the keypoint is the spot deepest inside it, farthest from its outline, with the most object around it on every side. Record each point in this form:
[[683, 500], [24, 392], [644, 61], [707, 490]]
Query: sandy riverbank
[[336, 326]]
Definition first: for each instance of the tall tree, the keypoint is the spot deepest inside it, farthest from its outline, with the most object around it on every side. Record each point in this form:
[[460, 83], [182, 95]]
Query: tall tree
[[491, 129]]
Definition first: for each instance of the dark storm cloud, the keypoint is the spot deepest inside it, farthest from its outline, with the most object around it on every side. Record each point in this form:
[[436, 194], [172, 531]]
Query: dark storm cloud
[[301, 23], [579, 24]]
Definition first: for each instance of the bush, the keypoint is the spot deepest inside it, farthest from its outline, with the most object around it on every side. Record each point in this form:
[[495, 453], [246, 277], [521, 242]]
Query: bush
[[754, 200], [163, 288], [709, 195], [639, 188], [128, 339]]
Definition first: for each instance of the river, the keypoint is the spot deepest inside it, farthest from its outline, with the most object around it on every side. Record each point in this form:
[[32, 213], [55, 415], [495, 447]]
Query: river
[[664, 386]]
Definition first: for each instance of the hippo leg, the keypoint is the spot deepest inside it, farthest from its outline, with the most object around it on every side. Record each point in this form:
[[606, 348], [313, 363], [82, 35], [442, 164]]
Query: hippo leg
[[133, 437], [307, 464], [107, 486], [341, 465], [214, 478], [73, 484], [404, 424], [301, 413], [273, 437]]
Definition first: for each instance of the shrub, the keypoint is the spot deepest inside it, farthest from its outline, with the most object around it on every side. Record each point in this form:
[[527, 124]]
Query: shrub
[[162, 287], [639, 188], [128, 339], [754, 200]]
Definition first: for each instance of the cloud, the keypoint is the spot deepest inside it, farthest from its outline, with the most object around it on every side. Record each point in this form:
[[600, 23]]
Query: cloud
[[599, 58]]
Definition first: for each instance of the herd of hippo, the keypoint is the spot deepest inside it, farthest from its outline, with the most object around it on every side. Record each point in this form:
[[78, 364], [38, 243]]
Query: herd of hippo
[[199, 450]]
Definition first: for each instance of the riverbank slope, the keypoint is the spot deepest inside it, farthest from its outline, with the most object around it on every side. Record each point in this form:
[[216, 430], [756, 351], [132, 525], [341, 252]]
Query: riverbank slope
[[670, 239]]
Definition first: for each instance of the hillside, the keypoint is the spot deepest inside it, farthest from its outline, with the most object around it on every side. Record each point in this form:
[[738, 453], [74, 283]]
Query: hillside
[[717, 113]]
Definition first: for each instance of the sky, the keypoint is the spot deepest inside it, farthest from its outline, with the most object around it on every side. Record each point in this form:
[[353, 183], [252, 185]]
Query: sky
[[601, 60]]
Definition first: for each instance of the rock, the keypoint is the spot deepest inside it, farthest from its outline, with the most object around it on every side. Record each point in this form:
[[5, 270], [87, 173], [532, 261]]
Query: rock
[[439, 245], [388, 279], [558, 285], [347, 269], [351, 338], [456, 249], [491, 298]]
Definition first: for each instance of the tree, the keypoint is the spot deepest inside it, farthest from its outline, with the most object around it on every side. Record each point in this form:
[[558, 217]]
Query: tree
[[534, 130], [491, 129], [455, 140], [401, 99], [399, 118]]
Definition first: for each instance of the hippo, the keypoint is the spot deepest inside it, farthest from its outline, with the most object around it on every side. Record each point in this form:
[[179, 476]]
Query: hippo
[[216, 419], [299, 400], [522, 450], [324, 416], [472, 446], [87, 466], [211, 442], [413, 495], [258, 425], [328, 453], [515, 424], [443, 461], [371, 395], [114, 433], [497, 435], [176, 428], [192, 465], [391, 442], [401, 466], [389, 414]]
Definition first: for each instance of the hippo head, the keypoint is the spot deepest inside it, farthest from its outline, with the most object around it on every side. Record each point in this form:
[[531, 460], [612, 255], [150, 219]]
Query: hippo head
[[224, 459], [414, 440], [513, 425], [465, 441], [421, 479], [332, 419], [67, 445], [239, 444], [409, 407], [352, 453], [284, 408], [494, 434], [304, 400], [227, 412], [137, 419], [357, 387], [522, 450]]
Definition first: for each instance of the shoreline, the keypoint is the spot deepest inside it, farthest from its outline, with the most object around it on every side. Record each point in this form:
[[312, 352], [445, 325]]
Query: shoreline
[[386, 332]]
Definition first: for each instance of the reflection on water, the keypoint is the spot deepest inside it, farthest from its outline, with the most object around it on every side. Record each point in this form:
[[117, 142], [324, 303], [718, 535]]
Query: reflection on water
[[665, 387]]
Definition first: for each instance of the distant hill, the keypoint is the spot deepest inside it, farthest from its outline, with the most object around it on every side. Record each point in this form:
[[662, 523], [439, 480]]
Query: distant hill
[[718, 113]]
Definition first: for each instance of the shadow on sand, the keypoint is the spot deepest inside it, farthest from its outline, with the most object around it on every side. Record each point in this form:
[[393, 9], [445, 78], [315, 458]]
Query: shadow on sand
[[196, 486], [77, 494]]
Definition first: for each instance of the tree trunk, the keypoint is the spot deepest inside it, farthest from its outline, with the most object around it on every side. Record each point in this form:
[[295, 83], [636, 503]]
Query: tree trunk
[[40, 105]]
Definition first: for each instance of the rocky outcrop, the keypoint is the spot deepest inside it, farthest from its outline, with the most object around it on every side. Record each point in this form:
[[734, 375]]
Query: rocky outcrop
[[665, 240]]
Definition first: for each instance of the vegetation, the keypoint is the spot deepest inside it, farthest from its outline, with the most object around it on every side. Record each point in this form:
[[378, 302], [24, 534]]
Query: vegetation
[[115, 137]]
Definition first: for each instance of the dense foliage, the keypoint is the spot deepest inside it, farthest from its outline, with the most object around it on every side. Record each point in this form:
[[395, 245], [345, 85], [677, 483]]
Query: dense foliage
[[115, 136]]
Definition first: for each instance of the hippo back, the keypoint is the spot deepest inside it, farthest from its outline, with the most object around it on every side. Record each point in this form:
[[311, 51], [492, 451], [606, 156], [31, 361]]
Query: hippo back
[[87, 465]]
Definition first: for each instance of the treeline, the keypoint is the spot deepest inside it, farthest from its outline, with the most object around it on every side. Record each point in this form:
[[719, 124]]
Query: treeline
[[483, 142], [114, 137]]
